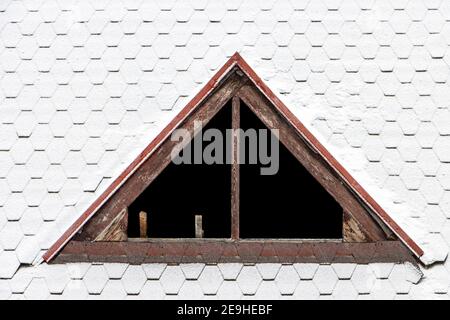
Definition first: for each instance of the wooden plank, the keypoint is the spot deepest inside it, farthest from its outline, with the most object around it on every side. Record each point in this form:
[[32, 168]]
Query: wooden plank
[[235, 169], [143, 224], [312, 162], [242, 251], [199, 226], [154, 165], [117, 230]]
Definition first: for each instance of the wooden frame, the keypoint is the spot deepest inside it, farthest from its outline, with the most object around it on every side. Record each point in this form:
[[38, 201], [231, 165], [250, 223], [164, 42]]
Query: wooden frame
[[366, 227]]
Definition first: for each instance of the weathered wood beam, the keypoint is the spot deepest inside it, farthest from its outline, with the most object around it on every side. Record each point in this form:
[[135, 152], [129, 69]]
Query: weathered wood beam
[[138, 251], [235, 168]]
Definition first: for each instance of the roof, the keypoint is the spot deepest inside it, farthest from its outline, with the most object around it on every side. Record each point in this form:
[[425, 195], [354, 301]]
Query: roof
[[236, 60]]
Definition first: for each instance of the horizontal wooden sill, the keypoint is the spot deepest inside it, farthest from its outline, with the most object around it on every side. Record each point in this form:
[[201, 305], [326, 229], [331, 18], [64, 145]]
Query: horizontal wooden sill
[[176, 251]]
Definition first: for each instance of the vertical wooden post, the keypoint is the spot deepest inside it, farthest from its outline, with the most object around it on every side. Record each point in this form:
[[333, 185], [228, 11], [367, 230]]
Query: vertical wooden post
[[235, 168], [198, 226], [143, 224]]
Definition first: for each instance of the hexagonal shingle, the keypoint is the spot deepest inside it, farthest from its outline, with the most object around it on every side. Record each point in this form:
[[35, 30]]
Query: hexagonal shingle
[[411, 176], [345, 290], [382, 270], [344, 271], [75, 290], [443, 175], [283, 34], [287, 280], [306, 290], [214, 34], [181, 59], [35, 192], [409, 148], [441, 120], [152, 290], [21, 151], [9, 263], [71, 192], [283, 59], [268, 271], [435, 217], [325, 279], [5, 163], [403, 70], [428, 162], [113, 290], [316, 34], [230, 271], [373, 148], [385, 59], [306, 271], [229, 290], [41, 138], [172, 279], [442, 148], [93, 150], [95, 279], [408, 122], [167, 96], [249, 280], [11, 236], [134, 279], [54, 178], [31, 221], [398, 278], [51, 206], [445, 203], [210, 280], [363, 279], [192, 270], [18, 178], [265, 47], [37, 290], [382, 290], [391, 135], [267, 291], [15, 206], [4, 192]]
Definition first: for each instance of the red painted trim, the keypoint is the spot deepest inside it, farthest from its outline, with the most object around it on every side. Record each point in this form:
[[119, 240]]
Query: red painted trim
[[236, 59]]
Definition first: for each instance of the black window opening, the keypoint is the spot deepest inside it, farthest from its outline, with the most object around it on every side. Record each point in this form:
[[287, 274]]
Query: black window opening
[[182, 192], [288, 205]]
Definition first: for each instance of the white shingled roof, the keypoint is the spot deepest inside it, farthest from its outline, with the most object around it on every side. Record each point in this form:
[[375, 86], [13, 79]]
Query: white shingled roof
[[84, 86]]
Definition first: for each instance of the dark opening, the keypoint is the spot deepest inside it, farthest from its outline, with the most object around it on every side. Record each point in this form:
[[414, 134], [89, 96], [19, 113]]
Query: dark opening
[[182, 191], [289, 204]]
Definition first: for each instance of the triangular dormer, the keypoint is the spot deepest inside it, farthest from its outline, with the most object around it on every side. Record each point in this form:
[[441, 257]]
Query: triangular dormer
[[312, 209]]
